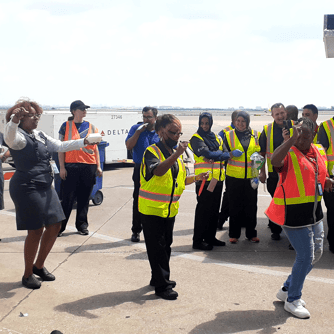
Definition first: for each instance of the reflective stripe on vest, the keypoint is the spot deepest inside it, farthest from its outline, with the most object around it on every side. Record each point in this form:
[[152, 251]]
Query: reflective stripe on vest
[[159, 196], [270, 145], [240, 167], [84, 155], [329, 128], [228, 128], [216, 168], [70, 136], [299, 186]]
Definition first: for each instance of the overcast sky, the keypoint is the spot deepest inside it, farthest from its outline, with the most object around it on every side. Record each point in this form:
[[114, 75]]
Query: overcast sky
[[188, 53]]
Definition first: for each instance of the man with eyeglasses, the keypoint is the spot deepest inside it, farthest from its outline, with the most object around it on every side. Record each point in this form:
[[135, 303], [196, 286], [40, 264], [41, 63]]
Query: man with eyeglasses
[[139, 138]]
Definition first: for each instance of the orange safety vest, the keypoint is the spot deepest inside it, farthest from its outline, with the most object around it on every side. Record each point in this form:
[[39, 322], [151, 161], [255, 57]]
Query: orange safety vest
[[300, 185], [85, 155]]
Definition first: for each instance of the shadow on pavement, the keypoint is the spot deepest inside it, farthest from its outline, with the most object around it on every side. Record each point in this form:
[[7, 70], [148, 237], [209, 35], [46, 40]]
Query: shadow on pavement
[[240, 321], [6, 289], [81, 307]]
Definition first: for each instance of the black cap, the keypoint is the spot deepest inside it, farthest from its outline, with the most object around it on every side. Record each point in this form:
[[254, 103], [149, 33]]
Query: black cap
[[77, 105]]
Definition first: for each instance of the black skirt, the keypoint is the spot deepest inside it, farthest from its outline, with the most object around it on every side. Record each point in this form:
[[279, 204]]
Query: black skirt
[[36, 203]]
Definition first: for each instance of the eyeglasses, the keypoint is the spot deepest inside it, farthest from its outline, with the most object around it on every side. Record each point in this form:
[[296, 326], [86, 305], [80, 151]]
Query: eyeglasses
[[147, 117], [34, 115], [179, 134]]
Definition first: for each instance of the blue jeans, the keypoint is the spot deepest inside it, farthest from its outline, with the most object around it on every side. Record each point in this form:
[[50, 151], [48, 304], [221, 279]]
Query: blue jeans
[[308, 244]]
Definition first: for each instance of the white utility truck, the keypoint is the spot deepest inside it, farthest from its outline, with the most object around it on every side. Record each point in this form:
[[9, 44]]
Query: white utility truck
[[113, 125]]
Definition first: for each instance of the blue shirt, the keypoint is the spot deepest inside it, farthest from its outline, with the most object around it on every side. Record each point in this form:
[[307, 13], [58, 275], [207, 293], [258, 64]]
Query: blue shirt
[[146, 138]]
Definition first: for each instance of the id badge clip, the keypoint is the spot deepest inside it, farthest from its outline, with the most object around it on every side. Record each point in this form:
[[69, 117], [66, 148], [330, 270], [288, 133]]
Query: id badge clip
[[320, 189], [54, 167]]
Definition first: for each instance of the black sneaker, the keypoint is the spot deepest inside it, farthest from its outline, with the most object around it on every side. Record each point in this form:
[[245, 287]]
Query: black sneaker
[[31, 282], [43, 274], [135, 237], [168, 294], [83, 231]]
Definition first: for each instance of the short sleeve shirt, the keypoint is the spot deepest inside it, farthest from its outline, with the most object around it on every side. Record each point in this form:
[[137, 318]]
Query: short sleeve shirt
[[146, 138]]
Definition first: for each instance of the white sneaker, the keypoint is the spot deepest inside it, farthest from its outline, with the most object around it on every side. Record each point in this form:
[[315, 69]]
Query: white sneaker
[[297, 309], [283, 295]]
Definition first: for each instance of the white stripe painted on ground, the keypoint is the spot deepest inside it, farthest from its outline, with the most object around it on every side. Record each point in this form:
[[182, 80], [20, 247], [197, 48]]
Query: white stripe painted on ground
[[202, 259], [243, 267]]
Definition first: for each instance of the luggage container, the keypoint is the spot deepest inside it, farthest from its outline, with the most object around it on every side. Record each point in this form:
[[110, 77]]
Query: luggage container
[[97, 196]]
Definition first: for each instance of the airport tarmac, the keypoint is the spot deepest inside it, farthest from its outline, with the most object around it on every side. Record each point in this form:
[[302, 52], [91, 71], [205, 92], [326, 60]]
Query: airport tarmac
[[102, 280]]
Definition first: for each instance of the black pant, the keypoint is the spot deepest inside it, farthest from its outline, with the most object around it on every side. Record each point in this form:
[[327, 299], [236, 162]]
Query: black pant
[[136, 224], [78, 185], [242, 200], [329, 202], [158, 234], [206, 213], [271, 187]]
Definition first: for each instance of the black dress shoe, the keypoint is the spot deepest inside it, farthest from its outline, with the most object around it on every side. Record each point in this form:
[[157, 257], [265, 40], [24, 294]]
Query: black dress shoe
[[202, 246], [171, 283], [135, 237], [168, 294], [31, 282], [216, 242], [43, 274], [275, 236]]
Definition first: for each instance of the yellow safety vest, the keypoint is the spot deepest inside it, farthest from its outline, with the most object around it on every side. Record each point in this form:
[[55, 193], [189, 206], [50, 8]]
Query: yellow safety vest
[[228, 128], [236, 166], [200, 166], [329, 128], [268, 128], [160, 195], [315, 139]]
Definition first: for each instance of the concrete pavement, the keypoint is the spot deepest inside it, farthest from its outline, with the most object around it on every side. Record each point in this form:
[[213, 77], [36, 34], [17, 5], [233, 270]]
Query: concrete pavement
[[102, 280]]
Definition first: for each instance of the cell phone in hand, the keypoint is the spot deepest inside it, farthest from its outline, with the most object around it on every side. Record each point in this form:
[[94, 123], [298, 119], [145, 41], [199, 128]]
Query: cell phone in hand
[[286, 125]]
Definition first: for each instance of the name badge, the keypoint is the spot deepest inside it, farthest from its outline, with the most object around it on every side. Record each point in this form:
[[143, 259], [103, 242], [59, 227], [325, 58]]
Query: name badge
[[320, 189]]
